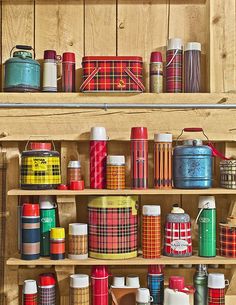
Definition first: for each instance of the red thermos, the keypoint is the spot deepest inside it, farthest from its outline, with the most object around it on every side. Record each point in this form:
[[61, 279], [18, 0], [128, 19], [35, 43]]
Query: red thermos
[[68, 72], [139, 158], [99, 278], [98, 156]]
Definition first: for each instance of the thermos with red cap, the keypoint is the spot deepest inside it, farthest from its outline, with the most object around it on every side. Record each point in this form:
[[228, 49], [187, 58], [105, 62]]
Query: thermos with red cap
[[47, 289], [99, 284], [30, 231], [50, 71], [139, 158], [68, 72], [156, 283], [216, 288], [98, 157], [29, 293], [156, 73]]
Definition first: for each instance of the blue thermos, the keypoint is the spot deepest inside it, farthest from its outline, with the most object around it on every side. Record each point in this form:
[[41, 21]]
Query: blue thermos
[[156, 283], [192, 163]]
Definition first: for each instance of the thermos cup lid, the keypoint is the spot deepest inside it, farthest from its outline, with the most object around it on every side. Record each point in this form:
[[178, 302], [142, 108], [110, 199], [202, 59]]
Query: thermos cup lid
[[46, 279], [68, 56], [216, 280], [176, 282], [79, 280], [74, 164], [40, 146], [132, 281], [155, 269], [30, 209], [143, 295], [30, 287], [57, 233], [163, 137], [62, 187], [177, 210], [156, 57], [78, 229], [99, 272], [151, 210], [77, 185], [174, 44], [118, 281], [50, 54], [46, 202], [206, 202], [115, 160], [139, 133], [98, 134], [193, 46]]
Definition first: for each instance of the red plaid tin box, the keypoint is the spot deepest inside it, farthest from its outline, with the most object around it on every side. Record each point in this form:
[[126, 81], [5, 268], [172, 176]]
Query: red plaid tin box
[[112, 73], [227, 240]]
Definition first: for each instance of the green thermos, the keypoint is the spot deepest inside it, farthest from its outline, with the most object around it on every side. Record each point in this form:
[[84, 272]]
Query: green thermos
[[200, 284], [206, 226], [47, 222]]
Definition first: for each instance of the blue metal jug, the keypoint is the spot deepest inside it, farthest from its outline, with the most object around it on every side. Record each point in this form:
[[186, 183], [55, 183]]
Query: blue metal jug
[[22, 73], [192, 164]]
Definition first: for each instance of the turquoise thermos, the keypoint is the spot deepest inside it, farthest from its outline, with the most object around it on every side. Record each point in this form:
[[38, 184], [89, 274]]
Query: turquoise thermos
[[22, 72]]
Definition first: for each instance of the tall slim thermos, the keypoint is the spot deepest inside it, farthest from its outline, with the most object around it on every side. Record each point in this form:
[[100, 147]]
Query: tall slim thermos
[[156, 283], [99, 284], [200, 285]]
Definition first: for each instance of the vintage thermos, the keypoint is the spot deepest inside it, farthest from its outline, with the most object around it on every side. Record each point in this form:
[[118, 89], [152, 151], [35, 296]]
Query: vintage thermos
[[47, 289], [57, 243], [47, 222], [156, 283], [79, 289], [156, 73], [30, 231], [207, 226], [99, 284], [200, 285], [139, 158], [29, 293], [50, 71], [68, 72], [98, 156], [216, 288]]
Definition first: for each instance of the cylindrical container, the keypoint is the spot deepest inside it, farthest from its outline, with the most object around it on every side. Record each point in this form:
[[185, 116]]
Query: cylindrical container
[[207, 226], [118, 281], [68, 72], [78, 241], [151, 231], [139, 158], [174, 66], [73, 171], [192, 67], [228, 174], [200, 285], [79, 289], [115, 172], [163, 160], [30, 234], [40, 167], [227, 240], [98, 157], [50, 71], [155, 281], [57, 243], [143, 297], [47, 289], [113, 227], [216, 288], [132, 281], [156, 73], [29, 293], [177, 293], [177, 239], [47, 222], [99, 283]]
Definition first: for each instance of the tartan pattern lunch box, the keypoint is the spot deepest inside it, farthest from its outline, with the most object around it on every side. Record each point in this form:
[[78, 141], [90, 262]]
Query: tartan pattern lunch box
[[112, 73]]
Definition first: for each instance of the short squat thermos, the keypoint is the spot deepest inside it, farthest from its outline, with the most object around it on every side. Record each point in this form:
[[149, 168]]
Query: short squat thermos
[[30, 231], [206, 226], [156, 73], [47, 289], [57, 243], [143, 297], [68, 72], [139, 158], [99, 284], [200, 285], [216, 288], [156, 283], [50, 71], [29, 293]]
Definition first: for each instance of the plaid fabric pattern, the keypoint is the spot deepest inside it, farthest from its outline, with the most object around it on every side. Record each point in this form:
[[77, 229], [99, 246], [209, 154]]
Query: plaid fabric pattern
[[178, 240], [79, 296], [151, 236], [112, 230], [111, 75], [78, 244], [47, 295], [30, 299], [228, 174], [227, 241], [156, 287], [174, 66], [216, 296], [115, 177]]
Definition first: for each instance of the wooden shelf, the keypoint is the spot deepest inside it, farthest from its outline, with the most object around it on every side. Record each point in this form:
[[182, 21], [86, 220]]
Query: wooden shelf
[[129, 262], [92, 192]]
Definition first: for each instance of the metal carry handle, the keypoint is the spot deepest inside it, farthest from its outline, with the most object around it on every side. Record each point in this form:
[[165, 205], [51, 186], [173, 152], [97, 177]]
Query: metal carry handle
[[22, 47], [40, 136], [192, 129]]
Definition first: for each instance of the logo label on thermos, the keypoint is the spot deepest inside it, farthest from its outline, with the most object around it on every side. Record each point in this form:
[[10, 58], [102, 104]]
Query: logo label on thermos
[[204, 220], [179, 245]]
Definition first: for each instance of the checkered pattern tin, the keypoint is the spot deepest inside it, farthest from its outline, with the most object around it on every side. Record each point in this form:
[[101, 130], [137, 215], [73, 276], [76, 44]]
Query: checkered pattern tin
[[228, 174], [112, 73], [227, 241], [113, 227], [216, 296], [151, 236]]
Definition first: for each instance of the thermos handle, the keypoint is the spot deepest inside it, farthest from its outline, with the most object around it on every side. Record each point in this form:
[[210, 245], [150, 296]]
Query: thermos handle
[[40, 136], [22, 47], [192, 129]]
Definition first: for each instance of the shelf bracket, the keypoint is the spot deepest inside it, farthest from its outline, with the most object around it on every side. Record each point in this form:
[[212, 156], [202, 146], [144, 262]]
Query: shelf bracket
[[63, 273]]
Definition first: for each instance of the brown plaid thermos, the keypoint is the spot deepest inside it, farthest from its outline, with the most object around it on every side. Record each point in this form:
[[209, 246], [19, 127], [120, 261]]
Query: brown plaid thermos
[[79, 289], [115, 172], [78, 241]]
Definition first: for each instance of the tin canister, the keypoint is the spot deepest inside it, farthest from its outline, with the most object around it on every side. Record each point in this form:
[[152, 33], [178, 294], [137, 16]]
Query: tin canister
[[113, 227], [47, 289], [22, 72], [57, 243]]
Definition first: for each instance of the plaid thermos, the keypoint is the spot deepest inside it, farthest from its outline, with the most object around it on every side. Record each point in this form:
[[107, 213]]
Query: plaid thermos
[[47, 289], [115, 172], [216, 288], [57, 243], [139, 158], [227, 240], [174, 65], [29, 293], [78, 241], [151, 231], [68, 72], [228, 174], [79, 289], [177, 239], [30, 231], [98, 156], [99, 285], [156, 283]]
